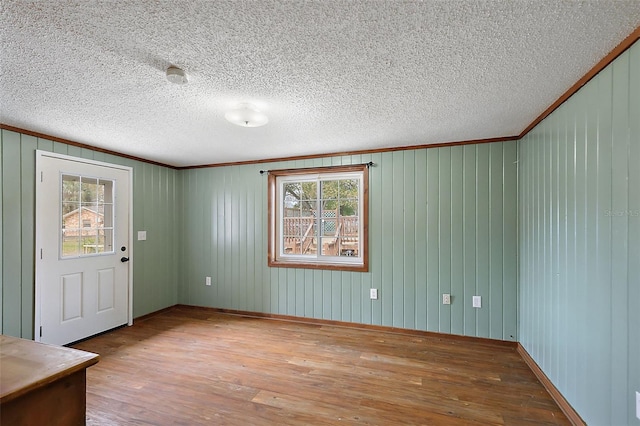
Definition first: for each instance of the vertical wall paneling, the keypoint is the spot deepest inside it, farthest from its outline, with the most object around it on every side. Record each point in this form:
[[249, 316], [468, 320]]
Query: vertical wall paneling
[[237, 295], [433, 229], [386, 241], [397, 199], [633, 254], [155, 199], [469, 227], [444, 236], [483, 236], [376, 179], [408, 255], [75, 151], [11, 238], [140, 247], [226, 220], [509, 243], [142, 214], [184, 213], [336, 294], [578, 213], [579, 221], [496, 231], [245, 233], [560, 257], [548, 225], [260, 240], [1, 233], [598, 244], [148, 299], [457, 237], [27, 231], [60, 148], [620, 141], [214, 215], [567, 199], [420, 205], [247, 263], [433, 238], [174, 205]]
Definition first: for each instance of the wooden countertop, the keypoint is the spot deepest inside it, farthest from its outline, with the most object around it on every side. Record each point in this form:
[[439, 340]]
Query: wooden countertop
[[26, 365]]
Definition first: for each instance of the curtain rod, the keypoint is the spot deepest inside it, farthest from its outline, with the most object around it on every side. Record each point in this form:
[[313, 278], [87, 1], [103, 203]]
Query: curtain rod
[[369, 165]]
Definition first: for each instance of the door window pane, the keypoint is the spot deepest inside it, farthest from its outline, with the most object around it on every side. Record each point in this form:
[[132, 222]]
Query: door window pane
[[70, 244], [87, 216]]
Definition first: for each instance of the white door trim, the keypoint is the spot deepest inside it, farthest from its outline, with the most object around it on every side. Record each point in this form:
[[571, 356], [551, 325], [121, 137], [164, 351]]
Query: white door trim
[[38, 235]]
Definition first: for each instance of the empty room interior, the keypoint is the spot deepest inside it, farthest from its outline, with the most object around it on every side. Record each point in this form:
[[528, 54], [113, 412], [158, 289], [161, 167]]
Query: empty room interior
[[321, 212]]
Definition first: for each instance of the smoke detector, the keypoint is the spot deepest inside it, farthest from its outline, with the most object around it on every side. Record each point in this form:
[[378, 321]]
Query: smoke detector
[[176, 75]]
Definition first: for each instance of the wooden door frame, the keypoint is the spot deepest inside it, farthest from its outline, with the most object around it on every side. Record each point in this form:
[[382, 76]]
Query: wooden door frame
[[38, 235]]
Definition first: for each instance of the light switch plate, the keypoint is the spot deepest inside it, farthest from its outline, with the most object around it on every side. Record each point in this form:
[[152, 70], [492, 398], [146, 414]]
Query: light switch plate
[[477, 301], [142, 235], [638, 404], [373, 293]]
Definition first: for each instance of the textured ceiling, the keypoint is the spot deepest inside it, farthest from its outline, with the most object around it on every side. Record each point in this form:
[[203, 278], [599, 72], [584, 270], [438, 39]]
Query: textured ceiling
[[333, 76]]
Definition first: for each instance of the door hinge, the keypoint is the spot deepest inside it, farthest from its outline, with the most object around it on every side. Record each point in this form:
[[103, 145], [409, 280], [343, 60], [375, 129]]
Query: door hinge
[[40, 254], [41, 176], [40, 331]]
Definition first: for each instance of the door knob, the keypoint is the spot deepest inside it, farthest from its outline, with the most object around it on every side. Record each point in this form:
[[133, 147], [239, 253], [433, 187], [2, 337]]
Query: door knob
[[124, 259]]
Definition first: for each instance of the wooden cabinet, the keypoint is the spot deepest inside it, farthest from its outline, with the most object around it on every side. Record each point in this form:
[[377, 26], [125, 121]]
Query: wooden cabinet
[[42, 384]]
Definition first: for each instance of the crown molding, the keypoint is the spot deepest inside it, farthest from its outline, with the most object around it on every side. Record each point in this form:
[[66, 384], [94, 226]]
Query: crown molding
[[81, 145]]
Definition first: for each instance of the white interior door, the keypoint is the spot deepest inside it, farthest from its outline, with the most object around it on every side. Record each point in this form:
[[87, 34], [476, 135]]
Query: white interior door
[[83, 248]]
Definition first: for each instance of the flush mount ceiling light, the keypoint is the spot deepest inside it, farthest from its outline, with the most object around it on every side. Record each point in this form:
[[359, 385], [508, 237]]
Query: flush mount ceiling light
[[176, 75], [246, 115]]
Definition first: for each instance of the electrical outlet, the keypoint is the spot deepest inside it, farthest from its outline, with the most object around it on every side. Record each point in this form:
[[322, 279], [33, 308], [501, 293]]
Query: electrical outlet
[[477, 301], [373, 293], [446, 299], [207, 281]]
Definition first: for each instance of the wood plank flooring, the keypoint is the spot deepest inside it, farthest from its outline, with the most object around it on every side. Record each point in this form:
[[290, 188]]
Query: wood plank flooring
[[189, 366]]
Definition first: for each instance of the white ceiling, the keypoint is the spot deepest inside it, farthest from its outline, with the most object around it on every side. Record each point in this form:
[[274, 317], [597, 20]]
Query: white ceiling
[[332, 75]]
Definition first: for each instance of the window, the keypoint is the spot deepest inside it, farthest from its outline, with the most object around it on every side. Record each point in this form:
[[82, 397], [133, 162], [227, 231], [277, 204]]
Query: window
[[87, 216], [318, 218]]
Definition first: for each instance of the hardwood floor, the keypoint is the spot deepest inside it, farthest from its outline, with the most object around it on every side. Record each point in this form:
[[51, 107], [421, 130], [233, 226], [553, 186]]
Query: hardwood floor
[[189, 366]]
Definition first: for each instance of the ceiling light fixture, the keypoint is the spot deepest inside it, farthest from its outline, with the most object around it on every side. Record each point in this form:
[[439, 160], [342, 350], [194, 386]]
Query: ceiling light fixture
[[176, 75], [246, 115]]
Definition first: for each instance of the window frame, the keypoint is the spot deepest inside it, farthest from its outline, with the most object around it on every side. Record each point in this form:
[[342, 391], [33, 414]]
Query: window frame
[[274, 259]]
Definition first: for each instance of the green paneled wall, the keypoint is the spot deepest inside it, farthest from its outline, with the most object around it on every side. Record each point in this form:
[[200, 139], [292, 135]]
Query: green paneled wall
[[156, 209], [442, 220], [579, 214]]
